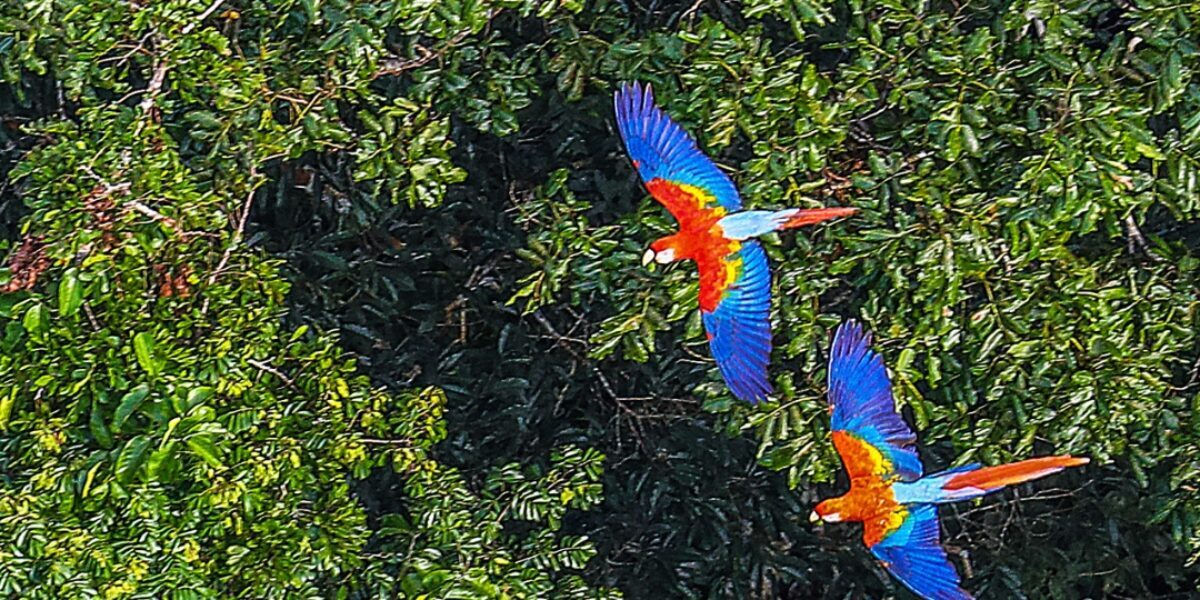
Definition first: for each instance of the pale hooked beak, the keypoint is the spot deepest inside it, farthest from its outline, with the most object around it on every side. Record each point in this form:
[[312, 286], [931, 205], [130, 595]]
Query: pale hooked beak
[[648, 257], [813, 517]]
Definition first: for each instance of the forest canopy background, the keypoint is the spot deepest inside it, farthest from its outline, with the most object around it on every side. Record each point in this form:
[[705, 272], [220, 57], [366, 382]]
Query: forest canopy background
[[198, 193]]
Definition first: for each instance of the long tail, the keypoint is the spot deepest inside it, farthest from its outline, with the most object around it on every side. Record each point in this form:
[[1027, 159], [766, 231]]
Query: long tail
[[960, 485], [804, 217]]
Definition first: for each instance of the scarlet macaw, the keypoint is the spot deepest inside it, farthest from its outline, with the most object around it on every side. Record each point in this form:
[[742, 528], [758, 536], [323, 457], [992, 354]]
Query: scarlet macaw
[[888, 494], [714, 231]]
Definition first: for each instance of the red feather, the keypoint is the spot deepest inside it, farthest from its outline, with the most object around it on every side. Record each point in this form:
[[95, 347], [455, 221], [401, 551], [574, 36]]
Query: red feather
[[817, 215], [990, 478]]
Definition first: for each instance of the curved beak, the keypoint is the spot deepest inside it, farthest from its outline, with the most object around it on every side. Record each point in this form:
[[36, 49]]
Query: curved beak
[[813, 517], [648, 257]]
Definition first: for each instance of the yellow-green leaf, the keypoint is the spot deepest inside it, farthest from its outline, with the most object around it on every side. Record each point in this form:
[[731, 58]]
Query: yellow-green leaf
[[143, 346], [204, 447], [70, 293]]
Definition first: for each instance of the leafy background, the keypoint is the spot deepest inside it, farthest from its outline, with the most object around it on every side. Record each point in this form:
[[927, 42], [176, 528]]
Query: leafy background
[[441, 184]]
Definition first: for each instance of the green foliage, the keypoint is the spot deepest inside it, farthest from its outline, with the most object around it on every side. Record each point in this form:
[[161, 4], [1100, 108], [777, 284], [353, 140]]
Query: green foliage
[[1025, 251], [443, 181], [165, 433], [460, 535]]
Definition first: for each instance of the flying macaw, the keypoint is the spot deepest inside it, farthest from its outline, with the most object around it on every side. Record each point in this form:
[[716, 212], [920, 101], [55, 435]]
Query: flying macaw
[[714, 231], [896, 504]]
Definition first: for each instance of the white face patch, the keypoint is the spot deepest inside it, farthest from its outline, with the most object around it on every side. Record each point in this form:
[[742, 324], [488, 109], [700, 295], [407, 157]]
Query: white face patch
[[665, 256], [832, 518]]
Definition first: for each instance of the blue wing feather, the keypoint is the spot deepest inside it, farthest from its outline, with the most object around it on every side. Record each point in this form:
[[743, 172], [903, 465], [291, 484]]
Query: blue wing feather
[[660, 148], [914, 555], [861, 397], [739, 329]]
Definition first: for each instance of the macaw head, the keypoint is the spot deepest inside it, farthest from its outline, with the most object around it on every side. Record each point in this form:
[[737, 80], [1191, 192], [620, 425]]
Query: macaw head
[[662, 251], [827, 511]]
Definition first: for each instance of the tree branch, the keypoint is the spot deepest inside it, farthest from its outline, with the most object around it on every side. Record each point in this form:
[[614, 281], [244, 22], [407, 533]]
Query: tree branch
[[204, 15], [264, 367]]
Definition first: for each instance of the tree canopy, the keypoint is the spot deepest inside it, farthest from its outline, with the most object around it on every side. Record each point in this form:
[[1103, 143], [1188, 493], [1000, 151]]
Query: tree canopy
[[321, 298]]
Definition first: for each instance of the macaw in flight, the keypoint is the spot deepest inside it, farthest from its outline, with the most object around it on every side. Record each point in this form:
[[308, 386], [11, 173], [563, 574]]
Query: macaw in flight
[[714, 231], [896, 504]]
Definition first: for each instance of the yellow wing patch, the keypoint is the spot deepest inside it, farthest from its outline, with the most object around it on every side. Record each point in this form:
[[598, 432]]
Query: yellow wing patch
[[883, 524], [703, 198], [733, 266], [860, 457]]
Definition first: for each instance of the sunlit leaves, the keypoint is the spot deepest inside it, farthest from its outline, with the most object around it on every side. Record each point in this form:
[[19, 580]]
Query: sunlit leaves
[[405, 151], [563, 246]]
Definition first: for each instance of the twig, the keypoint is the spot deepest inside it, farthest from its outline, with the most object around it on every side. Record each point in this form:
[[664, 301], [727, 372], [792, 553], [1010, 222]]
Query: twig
[[204, 15], [140, 47], [272, 370], [153, 214], [559, 340], [396, 66], [1137, 241], [689, 12], [238, 233], [155, 87], [87, 310], [395, 443], [237, 238]]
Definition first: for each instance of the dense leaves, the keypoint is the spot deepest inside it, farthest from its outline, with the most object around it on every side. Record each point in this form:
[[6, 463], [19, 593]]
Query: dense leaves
[[445, 187], [1032, 281], [164, 432]]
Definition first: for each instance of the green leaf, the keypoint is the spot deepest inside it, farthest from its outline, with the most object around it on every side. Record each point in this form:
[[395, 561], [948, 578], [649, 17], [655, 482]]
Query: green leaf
[[6, 407], [970, 142], [143, 346], [70, 293], [203, 446], [131, 458], [161, 461], [195, 397], [129, 403], [954, 142], [96, 425], [35, 318]]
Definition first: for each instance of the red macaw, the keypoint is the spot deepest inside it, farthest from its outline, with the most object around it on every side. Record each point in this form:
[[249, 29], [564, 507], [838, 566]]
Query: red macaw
[[888, 494], [714, 231]]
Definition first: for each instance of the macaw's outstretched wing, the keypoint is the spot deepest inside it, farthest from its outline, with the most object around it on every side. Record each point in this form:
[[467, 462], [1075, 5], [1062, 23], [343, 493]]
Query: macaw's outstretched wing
[[913, 554], [735, 305], [868, 433], [675, 171]]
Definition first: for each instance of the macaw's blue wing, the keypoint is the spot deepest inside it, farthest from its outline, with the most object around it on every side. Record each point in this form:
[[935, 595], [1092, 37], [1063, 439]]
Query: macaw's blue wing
[[861, 398], [913, 554], [735, 305], [675, 171]]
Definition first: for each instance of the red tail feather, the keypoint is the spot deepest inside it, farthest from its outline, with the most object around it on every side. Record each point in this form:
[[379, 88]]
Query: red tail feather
[[991, 478], [811, 216]]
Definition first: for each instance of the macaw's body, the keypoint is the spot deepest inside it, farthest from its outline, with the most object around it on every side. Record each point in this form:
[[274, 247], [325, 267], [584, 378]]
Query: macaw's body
[[889, 494], [735, 279]]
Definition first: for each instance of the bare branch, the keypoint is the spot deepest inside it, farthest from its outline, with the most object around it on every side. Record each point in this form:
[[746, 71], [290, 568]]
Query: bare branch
[[204, 15], [153, 214], [237, 233], [155, 87], [264, 367], [396, 66], [1137, 241]]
